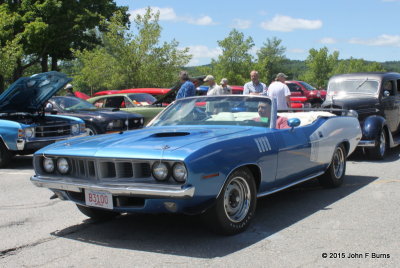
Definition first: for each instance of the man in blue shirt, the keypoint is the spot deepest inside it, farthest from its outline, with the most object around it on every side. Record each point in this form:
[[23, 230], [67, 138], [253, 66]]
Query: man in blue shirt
[[187, 89], [254, 87]]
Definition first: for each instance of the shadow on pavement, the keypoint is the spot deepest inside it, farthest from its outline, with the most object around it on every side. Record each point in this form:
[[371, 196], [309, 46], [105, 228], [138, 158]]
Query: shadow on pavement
[[187, 236], [21, 162]]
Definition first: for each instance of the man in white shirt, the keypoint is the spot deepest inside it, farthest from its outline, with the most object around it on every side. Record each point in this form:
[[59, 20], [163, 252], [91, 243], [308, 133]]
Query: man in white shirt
[[213, 88], [279, 90]]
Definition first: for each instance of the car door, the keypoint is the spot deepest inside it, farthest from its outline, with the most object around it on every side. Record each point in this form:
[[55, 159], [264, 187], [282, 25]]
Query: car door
[[294, 154], [390, 103]]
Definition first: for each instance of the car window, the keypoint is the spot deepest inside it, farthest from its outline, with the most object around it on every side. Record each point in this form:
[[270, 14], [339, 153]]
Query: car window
[[142, 98], [115, 102], [353, 86], [389, 87], [99, 103], [293, 87], [307, 86]]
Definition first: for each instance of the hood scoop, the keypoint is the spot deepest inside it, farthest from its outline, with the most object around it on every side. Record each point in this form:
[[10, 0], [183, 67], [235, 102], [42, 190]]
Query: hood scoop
[[170, 134]]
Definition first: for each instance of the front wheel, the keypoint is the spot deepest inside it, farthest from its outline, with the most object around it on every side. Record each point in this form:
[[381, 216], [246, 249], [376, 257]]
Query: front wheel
[[97, 214], [379, 151], [90, 130], [334, 176], [235, 206]]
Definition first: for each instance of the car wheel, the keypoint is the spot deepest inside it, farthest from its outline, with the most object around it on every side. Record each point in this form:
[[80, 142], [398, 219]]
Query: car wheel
[[96, 213], [235, 206], [334, 176], [379, 151], [5, 155], [90, 130]]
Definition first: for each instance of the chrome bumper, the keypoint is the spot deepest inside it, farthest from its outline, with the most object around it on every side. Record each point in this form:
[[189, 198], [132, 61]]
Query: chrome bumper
[[137, 189], [366, 143]]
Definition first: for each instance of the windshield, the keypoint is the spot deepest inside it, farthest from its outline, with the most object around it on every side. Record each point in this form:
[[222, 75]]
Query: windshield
[[218, 110], [142, 98], [72, 103], [307, 86], [355, 86]]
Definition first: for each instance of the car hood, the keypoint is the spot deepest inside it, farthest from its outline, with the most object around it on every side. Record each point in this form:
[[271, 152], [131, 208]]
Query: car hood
[[351, 102], [147, 143], [106, 113], [28, 94]]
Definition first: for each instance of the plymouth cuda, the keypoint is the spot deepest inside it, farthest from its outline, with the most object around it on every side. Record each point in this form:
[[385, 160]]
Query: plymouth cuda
[[208, 155]]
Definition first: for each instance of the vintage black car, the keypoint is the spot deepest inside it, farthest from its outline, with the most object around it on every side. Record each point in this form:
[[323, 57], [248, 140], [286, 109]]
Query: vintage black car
[[98, 121], [375, 96]]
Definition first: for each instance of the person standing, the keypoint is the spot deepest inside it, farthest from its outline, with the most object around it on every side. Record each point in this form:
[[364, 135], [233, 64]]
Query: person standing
[[226, 89], [254, 87], [70, 91], [279, 90], [213, 88], [187, 88]]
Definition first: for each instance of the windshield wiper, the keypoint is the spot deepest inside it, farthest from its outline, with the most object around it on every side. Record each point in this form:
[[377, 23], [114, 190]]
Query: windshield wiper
[[362, 83]]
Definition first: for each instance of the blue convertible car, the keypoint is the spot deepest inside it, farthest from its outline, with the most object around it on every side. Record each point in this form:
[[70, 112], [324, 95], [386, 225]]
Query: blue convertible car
[[202, 155]]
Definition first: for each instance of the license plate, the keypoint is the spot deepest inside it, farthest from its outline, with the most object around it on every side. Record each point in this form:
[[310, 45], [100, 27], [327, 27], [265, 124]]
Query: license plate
[[98, 199]]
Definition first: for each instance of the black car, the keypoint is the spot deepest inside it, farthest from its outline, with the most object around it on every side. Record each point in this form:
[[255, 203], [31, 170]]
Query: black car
[[375, 96], [98, 121]]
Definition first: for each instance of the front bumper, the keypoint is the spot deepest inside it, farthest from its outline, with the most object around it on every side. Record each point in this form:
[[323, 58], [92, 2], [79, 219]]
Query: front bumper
[[136, 189], [367, 143]]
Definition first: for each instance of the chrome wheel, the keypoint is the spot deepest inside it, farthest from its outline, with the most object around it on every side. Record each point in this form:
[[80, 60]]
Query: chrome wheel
[[90, 131], [237, 199], [338, 163]]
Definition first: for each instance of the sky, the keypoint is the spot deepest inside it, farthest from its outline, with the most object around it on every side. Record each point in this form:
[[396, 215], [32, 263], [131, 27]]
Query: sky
[[362, 29]]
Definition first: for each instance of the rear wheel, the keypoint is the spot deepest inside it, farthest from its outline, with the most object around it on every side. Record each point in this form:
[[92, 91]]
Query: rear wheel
[[96, 213], [334, 176], [235, 206], [379, 151], [5, 155]]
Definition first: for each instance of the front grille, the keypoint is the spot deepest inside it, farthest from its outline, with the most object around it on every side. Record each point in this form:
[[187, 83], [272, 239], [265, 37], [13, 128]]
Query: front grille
[[134, 123], [52, 131]]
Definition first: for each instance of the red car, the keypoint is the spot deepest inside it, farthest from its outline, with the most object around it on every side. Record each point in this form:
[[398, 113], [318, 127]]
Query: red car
[[308, 93]]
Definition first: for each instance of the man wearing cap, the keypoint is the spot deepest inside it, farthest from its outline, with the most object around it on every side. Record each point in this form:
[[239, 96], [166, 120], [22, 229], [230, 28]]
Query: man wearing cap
[[70, 90], [187, 88], [254, 87], [279, 90], [213, 88], [226, 89]]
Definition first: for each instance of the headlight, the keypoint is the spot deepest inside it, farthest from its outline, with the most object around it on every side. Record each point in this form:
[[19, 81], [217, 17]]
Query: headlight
[[115, 124], [160, 171], [75, 129], [48, 165], [179, 172], [29, 132], [63, 165]]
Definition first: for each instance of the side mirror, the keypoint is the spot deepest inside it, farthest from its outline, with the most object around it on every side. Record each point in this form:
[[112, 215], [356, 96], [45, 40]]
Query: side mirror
[[386, 93], [293, 122]]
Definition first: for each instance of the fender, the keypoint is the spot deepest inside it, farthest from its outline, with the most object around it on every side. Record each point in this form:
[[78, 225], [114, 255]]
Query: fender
[[372, 126]]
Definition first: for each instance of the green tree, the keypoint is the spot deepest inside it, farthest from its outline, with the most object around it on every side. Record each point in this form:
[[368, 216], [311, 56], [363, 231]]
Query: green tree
[[357, 65], [271, 59], [235, 62], [131, 59], [320, 65], [48, 29]]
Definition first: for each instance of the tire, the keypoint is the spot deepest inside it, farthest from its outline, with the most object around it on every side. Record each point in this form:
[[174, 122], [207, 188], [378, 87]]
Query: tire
[[90, 130], [334, 175], [379, 151], [5, 155], [235, 207], [97, 214]]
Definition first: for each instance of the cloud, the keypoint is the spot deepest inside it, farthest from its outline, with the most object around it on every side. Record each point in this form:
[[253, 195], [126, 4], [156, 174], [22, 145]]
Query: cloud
[[203, 54], [282, 23], [382, 40], [328, 40], [241, 24], [168, 14]]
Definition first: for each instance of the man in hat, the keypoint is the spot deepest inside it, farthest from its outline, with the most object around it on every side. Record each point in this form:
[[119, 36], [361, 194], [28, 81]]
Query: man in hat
[[213, 88], [226, 89], [70, 90], [279, 90]]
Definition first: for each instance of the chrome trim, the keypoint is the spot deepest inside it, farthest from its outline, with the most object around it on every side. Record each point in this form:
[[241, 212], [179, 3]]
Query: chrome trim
[[290, 185], [137, 189], [363, 143], [56, 138]]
